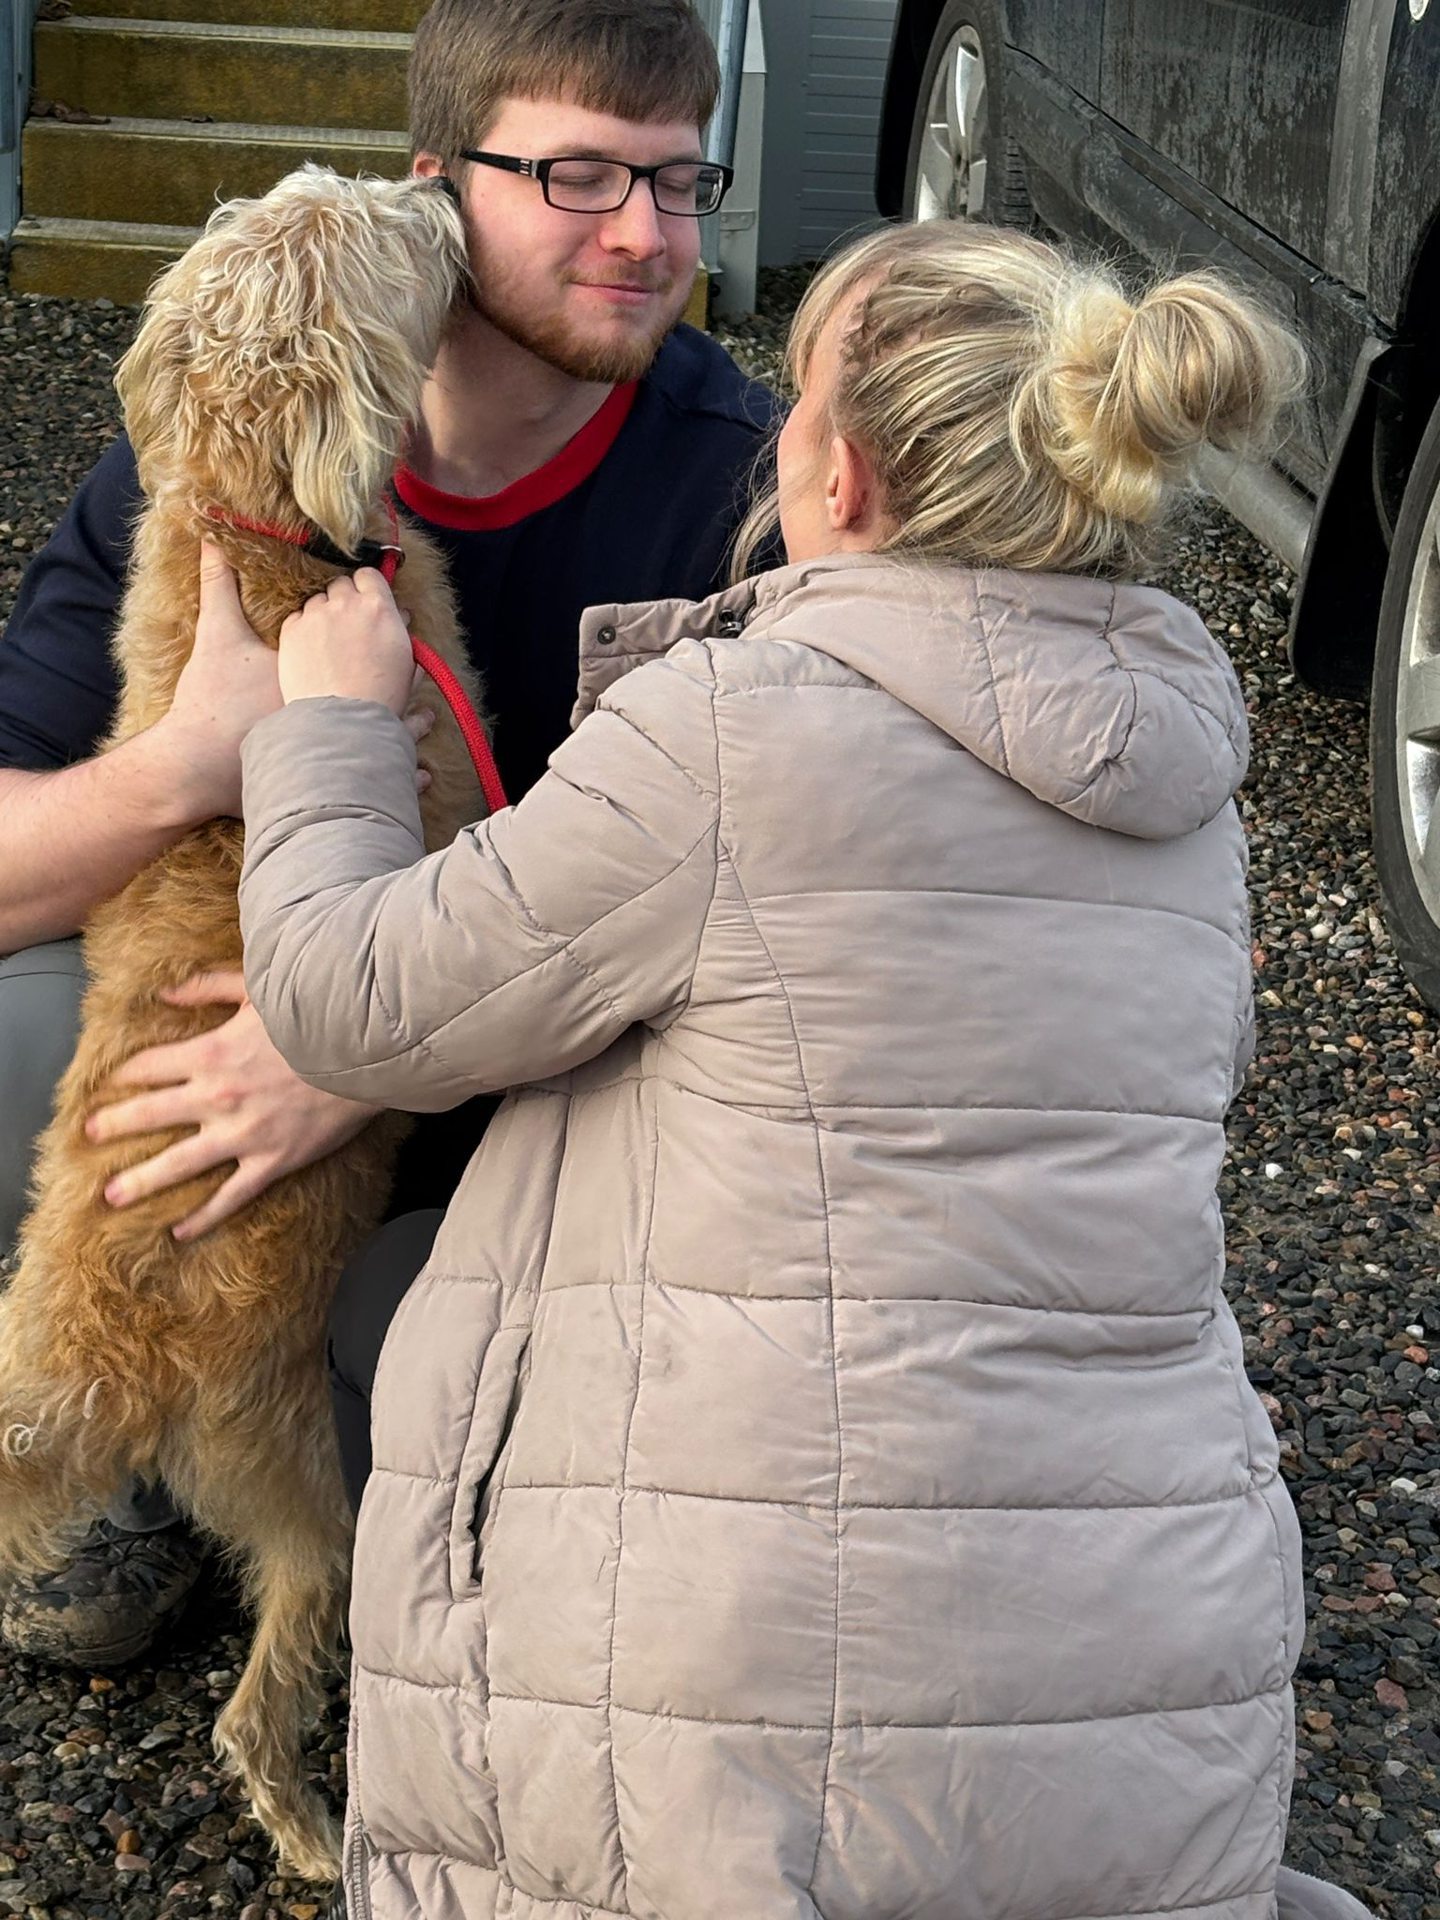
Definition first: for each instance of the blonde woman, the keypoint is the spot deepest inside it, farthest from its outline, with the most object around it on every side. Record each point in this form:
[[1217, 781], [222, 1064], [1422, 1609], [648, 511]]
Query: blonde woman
[[814, 1471]]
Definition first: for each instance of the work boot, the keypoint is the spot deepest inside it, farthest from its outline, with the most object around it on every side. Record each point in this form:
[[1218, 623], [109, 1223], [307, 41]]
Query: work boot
[[110, 1601]]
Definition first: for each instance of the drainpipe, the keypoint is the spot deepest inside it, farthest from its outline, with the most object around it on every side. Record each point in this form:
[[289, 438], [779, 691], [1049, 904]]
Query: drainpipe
[[739, 244], [731, 20], [17, 26], [726, 21]]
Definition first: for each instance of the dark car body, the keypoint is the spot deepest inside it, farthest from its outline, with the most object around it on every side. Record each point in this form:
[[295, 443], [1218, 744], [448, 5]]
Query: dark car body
[[1295, 144], [1290, 141]]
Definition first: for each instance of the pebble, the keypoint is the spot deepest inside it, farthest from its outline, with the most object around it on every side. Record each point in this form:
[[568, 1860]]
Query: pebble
[[1331, 1191]]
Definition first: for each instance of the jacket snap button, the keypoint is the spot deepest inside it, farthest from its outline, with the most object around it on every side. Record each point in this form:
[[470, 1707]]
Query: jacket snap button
[[606, 636]]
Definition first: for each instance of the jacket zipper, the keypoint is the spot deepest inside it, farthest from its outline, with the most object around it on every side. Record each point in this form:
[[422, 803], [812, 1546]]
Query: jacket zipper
[[359, 1888]]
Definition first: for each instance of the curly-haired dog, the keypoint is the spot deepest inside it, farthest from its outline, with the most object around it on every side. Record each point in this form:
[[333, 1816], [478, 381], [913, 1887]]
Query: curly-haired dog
[[275, 373]]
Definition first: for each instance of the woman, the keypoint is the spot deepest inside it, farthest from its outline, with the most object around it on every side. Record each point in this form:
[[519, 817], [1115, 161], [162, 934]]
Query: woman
[[815, 1473]]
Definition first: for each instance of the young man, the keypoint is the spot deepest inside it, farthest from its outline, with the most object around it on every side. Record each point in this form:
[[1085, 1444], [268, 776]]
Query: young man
[[574, 448]]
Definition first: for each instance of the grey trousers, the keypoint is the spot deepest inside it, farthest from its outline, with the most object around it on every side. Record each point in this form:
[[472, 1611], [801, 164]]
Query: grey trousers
[[40, 992]]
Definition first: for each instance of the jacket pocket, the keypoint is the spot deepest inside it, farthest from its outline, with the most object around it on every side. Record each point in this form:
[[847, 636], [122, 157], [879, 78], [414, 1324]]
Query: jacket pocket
[[497, 1400], [1288, 1552]]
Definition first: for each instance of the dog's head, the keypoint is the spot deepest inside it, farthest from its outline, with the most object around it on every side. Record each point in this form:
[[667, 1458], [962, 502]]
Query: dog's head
[[281, 359]]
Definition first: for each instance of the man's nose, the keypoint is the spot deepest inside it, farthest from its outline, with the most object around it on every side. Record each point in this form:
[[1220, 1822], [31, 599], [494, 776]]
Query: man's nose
[[635, 228]]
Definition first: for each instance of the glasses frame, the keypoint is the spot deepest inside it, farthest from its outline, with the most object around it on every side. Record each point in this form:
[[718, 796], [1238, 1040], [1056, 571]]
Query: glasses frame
[[540, 170]]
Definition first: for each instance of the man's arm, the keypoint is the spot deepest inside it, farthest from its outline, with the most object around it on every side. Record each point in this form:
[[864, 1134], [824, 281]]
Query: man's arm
[[71, 838], [73, 829]]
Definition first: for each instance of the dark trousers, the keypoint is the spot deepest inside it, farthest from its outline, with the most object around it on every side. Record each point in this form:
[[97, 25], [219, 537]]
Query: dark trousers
[[370, 1290], [377, 1276]]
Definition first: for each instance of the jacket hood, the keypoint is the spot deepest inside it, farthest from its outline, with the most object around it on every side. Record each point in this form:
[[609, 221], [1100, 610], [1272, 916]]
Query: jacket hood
[[1110, 702]]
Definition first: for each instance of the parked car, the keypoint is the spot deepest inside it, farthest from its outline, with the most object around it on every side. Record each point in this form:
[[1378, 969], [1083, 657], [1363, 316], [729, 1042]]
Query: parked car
[[1296, 146]]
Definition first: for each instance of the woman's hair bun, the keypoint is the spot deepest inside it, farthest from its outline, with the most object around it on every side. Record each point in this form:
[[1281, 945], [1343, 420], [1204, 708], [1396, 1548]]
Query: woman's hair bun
[[1018, 407], [1136, 389]]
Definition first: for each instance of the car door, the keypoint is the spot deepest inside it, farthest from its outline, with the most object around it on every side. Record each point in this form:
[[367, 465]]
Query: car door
[[1066, 39], [1240, 94], [1260, 105]]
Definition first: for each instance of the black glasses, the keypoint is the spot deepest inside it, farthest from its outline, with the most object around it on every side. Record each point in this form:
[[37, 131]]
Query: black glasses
[[694, 187]]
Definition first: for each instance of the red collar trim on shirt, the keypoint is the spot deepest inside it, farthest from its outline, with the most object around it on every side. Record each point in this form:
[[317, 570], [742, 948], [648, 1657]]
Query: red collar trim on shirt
[[576, 461]]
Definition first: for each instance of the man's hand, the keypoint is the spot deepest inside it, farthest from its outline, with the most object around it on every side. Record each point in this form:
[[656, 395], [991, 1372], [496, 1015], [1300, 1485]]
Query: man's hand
[[235, 1088], [230, 681], [350, 641]]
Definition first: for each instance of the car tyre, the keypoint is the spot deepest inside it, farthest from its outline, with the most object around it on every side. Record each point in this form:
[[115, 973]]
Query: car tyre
[[1405, 726], [963, 164]]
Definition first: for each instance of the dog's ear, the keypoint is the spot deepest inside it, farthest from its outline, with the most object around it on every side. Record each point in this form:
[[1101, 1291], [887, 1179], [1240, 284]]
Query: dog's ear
[[341, 450], [187, 382], [380, 283], [151, 382]]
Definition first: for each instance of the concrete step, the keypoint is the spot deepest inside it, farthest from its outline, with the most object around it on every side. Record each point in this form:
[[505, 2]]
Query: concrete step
[[117, 259], [92, 259], [172, 173], [170, 70], [344, 16]]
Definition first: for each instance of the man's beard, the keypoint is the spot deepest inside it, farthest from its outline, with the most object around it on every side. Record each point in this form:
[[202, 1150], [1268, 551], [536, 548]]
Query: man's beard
[[560, 343]]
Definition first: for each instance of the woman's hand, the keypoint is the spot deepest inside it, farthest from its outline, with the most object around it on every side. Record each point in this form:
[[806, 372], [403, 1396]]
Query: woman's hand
[[350, 641], [245, 1103]]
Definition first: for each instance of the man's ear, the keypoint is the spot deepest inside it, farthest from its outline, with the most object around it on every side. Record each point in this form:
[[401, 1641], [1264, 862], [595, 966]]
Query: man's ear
[[427, 167], [851, 491]]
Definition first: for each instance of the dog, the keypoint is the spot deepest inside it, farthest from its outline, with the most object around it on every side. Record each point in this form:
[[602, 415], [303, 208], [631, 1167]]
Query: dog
[[277, 368]]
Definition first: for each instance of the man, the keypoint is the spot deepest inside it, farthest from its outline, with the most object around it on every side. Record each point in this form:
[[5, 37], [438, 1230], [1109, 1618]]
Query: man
[[573, 449]]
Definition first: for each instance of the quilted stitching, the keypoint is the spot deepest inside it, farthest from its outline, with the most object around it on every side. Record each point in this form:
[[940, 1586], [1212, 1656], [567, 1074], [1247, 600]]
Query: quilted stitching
[[878, 1356]]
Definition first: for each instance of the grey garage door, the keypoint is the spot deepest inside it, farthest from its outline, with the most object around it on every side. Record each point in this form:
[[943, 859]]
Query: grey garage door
[[826, 62]]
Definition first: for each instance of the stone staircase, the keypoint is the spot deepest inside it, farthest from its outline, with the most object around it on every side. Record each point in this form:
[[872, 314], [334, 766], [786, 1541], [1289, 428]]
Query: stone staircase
[[143, 117]]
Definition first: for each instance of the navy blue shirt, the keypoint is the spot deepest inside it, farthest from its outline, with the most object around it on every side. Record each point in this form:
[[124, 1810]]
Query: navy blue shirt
[[641, 505]]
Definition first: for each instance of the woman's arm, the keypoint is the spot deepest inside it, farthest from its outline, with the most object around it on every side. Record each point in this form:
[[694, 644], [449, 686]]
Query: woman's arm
[[517, 952]]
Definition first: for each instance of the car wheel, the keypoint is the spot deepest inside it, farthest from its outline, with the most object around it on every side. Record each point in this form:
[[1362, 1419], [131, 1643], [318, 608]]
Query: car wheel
[[1405, 726], [963, 164]]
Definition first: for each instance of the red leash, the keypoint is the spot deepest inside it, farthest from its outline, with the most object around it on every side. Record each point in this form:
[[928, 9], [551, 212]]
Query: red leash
[[468, 721], [386, 557], [450, 689]]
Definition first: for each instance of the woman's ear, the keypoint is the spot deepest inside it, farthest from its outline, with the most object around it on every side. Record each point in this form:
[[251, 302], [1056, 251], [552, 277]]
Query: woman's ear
[[851, 491]]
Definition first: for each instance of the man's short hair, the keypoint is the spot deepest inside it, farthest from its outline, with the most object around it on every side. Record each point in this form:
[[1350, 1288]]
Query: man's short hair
[[636, 59]]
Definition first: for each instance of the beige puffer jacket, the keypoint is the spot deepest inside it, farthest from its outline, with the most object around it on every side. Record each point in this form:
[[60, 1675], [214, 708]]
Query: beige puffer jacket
[[815, 1475]]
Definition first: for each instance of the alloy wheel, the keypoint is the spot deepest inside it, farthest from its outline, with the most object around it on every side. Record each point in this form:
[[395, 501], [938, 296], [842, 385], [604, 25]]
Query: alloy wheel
[[1417, 716], [950, 178]]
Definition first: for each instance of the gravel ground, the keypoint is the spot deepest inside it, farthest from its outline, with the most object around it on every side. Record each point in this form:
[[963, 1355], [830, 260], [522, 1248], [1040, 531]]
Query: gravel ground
[[109, 1801]]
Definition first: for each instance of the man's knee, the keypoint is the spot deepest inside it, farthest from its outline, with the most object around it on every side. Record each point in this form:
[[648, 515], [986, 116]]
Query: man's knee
[[372, 1285], [40, 992]]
